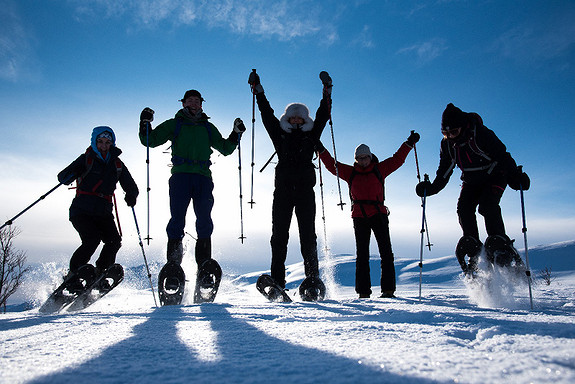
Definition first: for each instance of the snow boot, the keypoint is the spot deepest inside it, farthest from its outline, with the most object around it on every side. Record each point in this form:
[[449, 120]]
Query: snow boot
[[203, 250], [470, 247], [499, 250], [175, 251]]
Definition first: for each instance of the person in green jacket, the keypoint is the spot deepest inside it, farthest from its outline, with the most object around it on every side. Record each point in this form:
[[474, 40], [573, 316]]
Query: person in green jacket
[[193, 138]]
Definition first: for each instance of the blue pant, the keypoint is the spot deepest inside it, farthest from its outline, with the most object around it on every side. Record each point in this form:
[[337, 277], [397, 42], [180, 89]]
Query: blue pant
[[185, 187]]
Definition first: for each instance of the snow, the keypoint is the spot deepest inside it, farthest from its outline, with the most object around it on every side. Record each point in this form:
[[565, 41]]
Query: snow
[[481, 332]]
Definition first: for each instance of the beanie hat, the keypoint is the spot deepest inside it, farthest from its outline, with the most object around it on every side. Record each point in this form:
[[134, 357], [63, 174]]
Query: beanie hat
[[105, 135], [296, 110], [453, 117], [192, 92], [362, 150]]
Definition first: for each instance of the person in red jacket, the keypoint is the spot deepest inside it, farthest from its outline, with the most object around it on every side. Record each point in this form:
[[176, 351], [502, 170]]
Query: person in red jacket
[[366, 189]]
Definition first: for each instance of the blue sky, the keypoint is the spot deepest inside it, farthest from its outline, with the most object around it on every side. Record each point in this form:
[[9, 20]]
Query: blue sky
[[67, 66]]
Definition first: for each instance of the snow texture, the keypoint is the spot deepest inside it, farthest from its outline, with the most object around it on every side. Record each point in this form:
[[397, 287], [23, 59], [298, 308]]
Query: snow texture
[[459, 331]]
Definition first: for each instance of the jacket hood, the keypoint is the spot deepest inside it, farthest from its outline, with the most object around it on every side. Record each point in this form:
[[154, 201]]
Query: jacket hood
[[96, 132], [299, 110]]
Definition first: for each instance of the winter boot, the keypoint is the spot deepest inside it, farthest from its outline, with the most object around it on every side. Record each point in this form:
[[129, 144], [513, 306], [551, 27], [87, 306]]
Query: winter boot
[[175, 251], [470, 247], [203, 250]]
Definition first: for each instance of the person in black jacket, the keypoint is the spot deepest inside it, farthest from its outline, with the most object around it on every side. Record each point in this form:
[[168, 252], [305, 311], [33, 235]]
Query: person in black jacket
[[97, 171], [486, 169], [294, 136]]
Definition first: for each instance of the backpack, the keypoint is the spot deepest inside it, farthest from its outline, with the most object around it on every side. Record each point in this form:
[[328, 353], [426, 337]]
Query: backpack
[[178, 160], [376, 203], [89, 164]]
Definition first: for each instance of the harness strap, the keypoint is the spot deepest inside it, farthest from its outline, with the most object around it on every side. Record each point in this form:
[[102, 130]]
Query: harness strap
[[107, 197]]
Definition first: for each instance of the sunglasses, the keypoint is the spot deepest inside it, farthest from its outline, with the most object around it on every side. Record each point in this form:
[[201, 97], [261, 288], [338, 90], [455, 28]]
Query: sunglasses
[[451, 132]]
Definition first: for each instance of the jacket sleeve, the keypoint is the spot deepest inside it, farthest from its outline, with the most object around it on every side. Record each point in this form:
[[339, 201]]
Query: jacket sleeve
[[224, 146], [343, 170], [73, 171], [391, 164], [127, 182], [444, 170], [322, 116], [270, 121], [160, 135]]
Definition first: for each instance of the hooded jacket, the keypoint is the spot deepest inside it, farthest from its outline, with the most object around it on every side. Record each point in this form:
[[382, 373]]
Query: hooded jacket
[[97, 178], [192, 142], [365, 185]]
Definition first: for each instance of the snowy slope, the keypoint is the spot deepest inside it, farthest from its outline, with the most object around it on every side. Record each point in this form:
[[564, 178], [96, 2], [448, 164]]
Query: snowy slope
[[457, 332]]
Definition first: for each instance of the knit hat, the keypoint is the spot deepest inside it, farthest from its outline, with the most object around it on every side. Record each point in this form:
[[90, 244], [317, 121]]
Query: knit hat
[[362, 150], [453, 117], [105, 135], [293, 110], [192, 92]]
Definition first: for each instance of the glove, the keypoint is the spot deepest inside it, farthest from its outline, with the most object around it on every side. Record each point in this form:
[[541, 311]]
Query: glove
[[326, 81], [424, 188], [319, 148], [130, 200], [254, 81], [519, 180], [67, 179], [412, 139], [239, 126], [147, 115]]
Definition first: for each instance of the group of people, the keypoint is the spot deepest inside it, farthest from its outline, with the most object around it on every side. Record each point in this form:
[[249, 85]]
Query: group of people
[[487, 168]]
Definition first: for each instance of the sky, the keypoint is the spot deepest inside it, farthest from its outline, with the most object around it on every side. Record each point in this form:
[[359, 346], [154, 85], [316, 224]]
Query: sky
[[68, 66]]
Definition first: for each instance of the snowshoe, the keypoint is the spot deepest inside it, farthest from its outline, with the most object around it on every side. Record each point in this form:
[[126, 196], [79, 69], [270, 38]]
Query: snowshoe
[[271, 290], [73, 286], [312, 289], [208, 281], [109, 279], [500, 251], [470, 247], [171, 283]]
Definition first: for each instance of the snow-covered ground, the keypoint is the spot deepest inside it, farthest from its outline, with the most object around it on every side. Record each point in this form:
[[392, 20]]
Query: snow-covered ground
[[456, 332]]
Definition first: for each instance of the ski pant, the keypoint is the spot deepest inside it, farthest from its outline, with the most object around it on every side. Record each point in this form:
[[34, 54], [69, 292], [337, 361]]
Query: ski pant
[[184, 188], [286, 200], [93, 230], [363, 226], [485, 199]]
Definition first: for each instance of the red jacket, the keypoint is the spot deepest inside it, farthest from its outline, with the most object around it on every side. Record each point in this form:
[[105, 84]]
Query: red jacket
[[365, 184]]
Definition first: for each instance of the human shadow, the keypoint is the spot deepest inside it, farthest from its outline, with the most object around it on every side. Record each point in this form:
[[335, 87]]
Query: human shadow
[[243, 354]]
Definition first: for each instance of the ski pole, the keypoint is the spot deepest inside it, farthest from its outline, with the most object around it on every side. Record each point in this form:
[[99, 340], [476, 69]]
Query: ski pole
[[252, 202], [148, 238], [117, 216], [242, 237], [419, 179], [144, 254], [9, 222], [524, 230], [268, 162], [326, 79], [326, 248], [425, 178]]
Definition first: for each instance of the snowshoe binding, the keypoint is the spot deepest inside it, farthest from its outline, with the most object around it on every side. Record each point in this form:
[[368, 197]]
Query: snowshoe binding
[[109, 279], [171, 283], [470, 247], [208, 281], [312, 289], [271, 290], [74, 284]]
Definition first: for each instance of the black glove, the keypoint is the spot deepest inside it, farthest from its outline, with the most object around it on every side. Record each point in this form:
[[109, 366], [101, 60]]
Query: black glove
[[326, 81], [67, 179], [424, 188], [239, 126], [412, 139], [254, 81], [519, 180], [146, 117], [319, 148], [130, 200]]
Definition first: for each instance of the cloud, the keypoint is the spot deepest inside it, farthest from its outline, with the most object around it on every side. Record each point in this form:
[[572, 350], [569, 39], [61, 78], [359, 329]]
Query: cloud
[[365, 38], [426, 51], [15, 49], [284, 19]]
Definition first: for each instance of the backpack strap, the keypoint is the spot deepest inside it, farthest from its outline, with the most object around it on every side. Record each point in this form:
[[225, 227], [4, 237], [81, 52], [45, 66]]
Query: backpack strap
[[378, 204], [179, 160]]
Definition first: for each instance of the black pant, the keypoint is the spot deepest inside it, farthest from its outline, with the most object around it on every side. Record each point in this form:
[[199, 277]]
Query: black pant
[[485, 199], [92, 230], [363, 227], [286, 200]]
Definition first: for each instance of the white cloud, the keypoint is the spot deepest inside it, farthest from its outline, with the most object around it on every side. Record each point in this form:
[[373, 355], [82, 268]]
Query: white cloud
[[426, 51], [15, 50]]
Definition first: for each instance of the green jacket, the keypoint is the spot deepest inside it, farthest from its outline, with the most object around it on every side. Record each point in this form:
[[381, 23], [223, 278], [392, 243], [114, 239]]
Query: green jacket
[[192, 147]]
